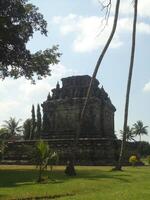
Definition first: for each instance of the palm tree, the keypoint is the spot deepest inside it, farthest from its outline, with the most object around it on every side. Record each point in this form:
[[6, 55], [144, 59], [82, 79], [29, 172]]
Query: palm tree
[[12, 126], [139, 129], [129, 134], [122, 150], [70, 164]]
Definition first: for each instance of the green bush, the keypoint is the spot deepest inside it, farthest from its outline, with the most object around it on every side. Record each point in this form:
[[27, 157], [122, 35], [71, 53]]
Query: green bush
[[133, 160], [148, 159]]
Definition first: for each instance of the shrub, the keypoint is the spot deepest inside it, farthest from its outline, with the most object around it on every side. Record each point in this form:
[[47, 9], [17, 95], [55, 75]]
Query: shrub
[[133, 160], [148, 159]]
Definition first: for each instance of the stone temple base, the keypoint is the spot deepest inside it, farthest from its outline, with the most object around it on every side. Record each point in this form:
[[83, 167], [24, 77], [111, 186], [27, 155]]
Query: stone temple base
[[90, 151]]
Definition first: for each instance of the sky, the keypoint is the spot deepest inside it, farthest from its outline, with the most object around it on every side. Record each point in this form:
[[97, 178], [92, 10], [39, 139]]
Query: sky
[[80, 29]]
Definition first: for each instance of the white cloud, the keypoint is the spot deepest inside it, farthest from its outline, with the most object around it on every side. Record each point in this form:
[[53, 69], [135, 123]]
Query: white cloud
[[89, 34], [143, 7], [17, 96], [87, 30], [126, 7], [147, 87], [144, 28]]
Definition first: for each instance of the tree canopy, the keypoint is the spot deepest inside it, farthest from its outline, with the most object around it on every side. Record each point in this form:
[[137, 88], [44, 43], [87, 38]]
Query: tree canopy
[[18, 21], [139, 129], [12, 126]]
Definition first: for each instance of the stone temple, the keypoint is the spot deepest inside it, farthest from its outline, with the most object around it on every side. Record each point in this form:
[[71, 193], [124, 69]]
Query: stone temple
[[97, 144], [61, 110]]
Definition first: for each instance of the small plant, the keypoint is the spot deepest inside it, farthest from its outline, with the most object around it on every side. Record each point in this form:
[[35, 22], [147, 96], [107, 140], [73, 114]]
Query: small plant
[[133, 160], [43, 156]]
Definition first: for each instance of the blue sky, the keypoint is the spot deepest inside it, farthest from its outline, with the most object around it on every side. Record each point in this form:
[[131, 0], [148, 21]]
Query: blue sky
[[76, 26]]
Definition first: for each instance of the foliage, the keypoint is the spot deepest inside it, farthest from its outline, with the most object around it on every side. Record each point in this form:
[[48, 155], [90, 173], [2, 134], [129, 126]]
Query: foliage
[[133, 160], [18, 21], [129, 134], [42, 156], [39, 122], [4, 133], [139, 129], [144, 148], [148, 159], [27, 129], [33, 123], [12, 126]]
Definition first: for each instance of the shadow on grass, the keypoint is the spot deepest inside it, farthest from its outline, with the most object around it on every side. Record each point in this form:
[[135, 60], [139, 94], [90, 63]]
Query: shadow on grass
[[10, 178], [46, 197], [13, 178], [98, 174]]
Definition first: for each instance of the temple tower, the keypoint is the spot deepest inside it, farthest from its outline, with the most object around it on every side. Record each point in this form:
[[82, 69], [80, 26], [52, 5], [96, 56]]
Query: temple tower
[[61, 111]]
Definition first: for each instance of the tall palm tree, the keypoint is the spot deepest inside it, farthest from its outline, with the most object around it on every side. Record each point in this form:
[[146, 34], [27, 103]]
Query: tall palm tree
[[12, 126], [108, 42], [139, 129], [122, 150]]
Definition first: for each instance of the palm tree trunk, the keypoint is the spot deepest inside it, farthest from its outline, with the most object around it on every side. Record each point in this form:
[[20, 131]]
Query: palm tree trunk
[[98, 65], [140, 138], [128, 86], [92, 79]]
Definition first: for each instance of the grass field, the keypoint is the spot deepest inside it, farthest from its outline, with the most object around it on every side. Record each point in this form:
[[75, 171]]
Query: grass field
[[100, 183]]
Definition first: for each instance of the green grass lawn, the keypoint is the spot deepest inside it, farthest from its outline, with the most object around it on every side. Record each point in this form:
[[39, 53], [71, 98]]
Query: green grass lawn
[[100, 183]]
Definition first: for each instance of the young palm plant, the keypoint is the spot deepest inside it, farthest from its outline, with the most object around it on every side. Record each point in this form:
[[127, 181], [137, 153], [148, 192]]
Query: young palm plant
[[43, 155]]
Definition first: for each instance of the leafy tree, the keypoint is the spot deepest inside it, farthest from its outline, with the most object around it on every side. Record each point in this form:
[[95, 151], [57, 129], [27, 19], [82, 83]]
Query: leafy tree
[[139, 129], [33, 123], [4, 133], [18, 21], [39, 121], [43, 155], [27, 129], [144, 148], [12, 126]]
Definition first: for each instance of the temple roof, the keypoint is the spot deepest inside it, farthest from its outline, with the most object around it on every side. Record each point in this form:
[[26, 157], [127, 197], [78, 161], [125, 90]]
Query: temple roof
[[81, 81]]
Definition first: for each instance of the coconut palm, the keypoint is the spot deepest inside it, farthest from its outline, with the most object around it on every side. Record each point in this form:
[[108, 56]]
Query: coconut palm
[[129, 134], [122, 150], [139, 129], [70, 165], [12, 126]]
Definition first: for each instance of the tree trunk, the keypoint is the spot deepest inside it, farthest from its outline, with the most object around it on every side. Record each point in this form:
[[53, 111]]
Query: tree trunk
[[40, 174], [91, 82], [119, 167]]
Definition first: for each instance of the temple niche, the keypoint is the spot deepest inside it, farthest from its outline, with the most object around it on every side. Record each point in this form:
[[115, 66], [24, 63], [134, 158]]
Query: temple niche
[[61, 110]]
